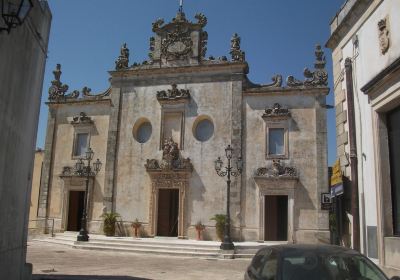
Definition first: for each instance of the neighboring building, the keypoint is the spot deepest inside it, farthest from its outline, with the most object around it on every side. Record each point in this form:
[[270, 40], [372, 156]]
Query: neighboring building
[[36, 179], [366, 66], [23, 54], [161, 125]]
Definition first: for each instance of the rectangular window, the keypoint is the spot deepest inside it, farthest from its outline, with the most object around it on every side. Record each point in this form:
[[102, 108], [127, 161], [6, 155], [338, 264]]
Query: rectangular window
[[394, 154], [276, 141], [81, 144]]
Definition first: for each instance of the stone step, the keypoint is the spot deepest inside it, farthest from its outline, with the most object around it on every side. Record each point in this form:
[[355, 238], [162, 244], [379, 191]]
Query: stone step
[[150, 246], [157, 245], [149, 251]]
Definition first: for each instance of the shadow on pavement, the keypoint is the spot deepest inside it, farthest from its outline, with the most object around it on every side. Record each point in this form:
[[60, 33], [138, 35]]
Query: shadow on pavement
[[83, 277]]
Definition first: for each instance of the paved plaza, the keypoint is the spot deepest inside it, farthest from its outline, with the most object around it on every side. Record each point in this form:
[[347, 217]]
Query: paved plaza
[[52, 261]]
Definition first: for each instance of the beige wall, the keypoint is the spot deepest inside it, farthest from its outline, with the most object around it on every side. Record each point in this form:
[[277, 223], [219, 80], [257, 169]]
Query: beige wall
[[36, 178]]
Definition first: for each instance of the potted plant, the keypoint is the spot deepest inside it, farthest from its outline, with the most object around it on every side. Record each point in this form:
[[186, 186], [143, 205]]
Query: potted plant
[[109, 220], [136, 225], [199, 228], [220, 220]]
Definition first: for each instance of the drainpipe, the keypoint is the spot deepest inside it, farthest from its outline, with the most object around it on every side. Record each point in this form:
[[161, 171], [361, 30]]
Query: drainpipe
[[353, 154]]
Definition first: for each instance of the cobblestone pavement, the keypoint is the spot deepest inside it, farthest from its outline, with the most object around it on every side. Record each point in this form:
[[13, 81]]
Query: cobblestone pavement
[[60, 262]]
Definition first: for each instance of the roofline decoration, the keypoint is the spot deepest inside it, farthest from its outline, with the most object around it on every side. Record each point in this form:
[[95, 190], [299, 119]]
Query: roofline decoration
[[236, 53], [58, 90], [277, 171], [316, 78], [122, 61]]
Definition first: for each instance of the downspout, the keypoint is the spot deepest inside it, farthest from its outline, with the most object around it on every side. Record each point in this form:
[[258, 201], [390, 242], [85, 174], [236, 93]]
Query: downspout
[[353, 153]]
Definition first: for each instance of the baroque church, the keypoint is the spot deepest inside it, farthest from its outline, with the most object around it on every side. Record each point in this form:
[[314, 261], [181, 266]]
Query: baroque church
[[159, 129]]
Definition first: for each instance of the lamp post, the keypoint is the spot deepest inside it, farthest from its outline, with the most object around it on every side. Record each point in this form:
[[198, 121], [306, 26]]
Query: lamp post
[[227, 243], [86, 171], [14, 12]]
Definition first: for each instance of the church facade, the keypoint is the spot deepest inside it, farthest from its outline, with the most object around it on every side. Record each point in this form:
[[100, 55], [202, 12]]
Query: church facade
[[162, 124]]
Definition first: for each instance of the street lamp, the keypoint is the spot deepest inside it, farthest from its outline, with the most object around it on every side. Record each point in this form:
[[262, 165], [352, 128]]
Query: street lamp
[[86, 171], [14, 12], [227, 244]]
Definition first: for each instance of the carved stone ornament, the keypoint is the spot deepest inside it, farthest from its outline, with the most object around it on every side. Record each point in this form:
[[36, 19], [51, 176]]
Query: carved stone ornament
[[201, 19], [82, 118], [276, 82], [122, 61], [171, 159], [173, 94], [177, 44], [384, 41], [318, 77], [151, 48], [236, 53], [67, 171], [58, 90], [276, 111], [276, 170]]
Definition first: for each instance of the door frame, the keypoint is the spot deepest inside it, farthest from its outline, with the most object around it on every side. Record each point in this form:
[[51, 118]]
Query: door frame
[[168, 180], [285, 187]]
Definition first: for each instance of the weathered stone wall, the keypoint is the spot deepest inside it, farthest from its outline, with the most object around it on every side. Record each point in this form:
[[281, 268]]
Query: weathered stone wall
[[218, 98], [307, 153], [62, 144], [23, 56]]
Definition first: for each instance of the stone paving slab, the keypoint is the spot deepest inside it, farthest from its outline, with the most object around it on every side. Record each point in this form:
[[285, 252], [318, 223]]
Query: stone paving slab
[[58, 262]]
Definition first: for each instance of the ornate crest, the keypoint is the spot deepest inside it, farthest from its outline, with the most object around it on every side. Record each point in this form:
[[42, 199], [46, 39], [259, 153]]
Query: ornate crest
[[276, 170], [173, 94], [276, 81], [82, 118], [384, 42], [236, 53], [276, 111], [177, 43], [171, 160], [123, 59]]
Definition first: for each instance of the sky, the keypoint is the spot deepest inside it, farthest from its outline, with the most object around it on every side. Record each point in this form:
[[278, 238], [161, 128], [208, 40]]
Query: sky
[[278, 36]]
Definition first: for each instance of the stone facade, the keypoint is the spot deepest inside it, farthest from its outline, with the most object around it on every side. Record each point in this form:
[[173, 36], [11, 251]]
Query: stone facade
[[23, 54], [363, 34], [164, 122]]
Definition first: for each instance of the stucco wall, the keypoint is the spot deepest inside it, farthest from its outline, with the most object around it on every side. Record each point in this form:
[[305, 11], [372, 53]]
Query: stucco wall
[[22, 56]]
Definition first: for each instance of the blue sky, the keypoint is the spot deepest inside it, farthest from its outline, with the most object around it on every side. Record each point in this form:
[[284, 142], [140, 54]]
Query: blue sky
[[278, 37]]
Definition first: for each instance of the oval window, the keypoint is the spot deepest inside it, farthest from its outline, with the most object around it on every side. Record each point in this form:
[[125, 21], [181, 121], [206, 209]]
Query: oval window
[[142, 131], [204, 130]]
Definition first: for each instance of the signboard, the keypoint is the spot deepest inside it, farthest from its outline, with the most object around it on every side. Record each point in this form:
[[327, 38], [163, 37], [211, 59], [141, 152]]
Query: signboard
[[336, 180], [326, 201]]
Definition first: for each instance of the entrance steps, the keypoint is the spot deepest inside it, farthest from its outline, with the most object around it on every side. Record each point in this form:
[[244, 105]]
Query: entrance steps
[[158, 245]]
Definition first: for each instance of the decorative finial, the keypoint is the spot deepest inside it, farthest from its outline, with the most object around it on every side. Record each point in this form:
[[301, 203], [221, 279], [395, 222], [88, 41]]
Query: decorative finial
[[123, 59], [57, 89], [181, 6], [236, 53], [320, 58]]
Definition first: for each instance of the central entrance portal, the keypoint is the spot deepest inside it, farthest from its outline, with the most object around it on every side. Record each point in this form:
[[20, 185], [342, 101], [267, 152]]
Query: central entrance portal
[[75, 210], [168, 212], [276, 218]]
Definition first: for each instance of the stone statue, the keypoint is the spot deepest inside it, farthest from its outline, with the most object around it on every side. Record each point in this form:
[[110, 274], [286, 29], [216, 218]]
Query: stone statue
[[123, 60]]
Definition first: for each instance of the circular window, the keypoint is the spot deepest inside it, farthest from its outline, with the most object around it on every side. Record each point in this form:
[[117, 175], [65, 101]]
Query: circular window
[[142, 131], [203, 130]]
